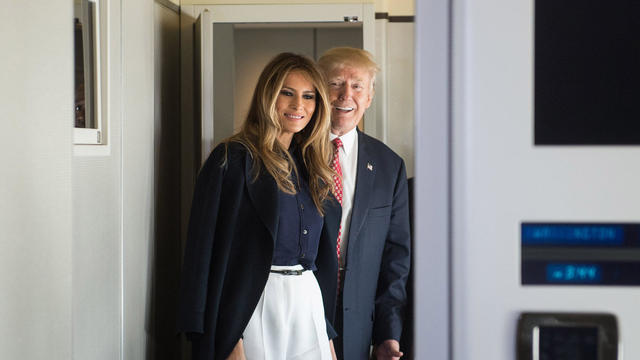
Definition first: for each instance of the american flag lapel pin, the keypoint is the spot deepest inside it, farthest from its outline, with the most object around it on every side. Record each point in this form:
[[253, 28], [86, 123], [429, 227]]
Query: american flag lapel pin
[[369, 166]]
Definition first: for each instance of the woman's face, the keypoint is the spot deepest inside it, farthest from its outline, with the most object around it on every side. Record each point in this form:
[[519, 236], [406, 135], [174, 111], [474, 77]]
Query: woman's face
[[295, 105]]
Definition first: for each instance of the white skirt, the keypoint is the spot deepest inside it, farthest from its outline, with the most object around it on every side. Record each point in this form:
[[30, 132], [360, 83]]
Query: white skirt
[[289, 321]]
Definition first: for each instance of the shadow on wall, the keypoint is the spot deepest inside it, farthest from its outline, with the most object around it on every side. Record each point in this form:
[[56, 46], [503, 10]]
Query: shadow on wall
[[163, 342]]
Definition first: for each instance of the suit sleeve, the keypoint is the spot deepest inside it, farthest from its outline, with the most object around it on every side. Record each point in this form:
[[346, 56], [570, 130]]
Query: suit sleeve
[[391, 292], [200, 238]]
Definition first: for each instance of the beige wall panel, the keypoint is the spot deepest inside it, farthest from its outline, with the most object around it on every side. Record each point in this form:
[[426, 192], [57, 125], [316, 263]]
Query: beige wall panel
[[393, 7], [382, 6], [247, 2], [380, 98], [396, 7], [401, 7], [400, 90]]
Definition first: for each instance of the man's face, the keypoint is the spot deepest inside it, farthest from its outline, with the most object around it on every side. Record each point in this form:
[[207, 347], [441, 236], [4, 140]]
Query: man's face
[[350, 94]]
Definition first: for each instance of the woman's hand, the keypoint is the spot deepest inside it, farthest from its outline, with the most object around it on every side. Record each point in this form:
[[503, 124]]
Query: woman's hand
[[238, 352], [333, 350]]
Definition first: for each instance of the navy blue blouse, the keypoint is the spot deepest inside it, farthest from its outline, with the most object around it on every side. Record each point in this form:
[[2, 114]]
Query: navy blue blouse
[[299, 226]]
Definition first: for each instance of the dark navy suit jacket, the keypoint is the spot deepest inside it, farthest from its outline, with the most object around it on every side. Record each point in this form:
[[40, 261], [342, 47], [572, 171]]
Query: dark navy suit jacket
[[232, 229], [378, 254]]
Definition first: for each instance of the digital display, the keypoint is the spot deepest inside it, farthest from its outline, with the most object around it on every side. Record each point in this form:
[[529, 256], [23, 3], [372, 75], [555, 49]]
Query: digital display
[[567, 343], [574, 273], [620, 273], [572, 234], [580, 253]]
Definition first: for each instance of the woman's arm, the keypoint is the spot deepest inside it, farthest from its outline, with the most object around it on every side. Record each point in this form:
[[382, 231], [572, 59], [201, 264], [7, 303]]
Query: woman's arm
[[333, 350], [238, 352]]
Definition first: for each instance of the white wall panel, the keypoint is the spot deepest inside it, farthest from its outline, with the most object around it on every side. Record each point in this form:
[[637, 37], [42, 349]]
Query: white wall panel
[[138, 200], [501, 179], [432, 195], [36, 108], [97, 202], [64, 219]]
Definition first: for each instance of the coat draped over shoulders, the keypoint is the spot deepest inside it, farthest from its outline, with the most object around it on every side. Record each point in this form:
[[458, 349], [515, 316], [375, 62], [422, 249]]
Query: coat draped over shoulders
[[228, 253], [229, 250]]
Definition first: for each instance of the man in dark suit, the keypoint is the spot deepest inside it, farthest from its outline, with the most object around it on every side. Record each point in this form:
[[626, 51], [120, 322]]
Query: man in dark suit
[[374, 240]]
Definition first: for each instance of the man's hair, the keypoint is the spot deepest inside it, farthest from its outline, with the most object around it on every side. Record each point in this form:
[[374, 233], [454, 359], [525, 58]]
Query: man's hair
[[348, 56]]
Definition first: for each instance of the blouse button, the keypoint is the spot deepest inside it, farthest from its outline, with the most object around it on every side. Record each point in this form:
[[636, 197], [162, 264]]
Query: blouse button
[[305, 231]]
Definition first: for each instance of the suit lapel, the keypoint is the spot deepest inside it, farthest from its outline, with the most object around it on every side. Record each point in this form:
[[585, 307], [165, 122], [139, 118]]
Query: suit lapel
[[264, 196], [364, 185]]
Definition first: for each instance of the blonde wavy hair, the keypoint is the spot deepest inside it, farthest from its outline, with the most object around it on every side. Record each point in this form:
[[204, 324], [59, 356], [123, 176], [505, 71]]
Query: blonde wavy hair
[[261, 129]]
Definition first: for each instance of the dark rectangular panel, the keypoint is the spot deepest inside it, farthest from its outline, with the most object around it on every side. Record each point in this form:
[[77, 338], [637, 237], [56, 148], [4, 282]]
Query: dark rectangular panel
[[580, 253], [567, 336], [587, 72], [569, 343]]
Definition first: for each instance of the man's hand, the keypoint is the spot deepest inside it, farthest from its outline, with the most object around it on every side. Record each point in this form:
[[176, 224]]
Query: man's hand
[[238, 352], [333, 350], [388, 350]]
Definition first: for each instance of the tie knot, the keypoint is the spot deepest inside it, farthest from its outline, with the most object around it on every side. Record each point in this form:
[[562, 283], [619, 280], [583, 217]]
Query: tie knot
[[337, 143]]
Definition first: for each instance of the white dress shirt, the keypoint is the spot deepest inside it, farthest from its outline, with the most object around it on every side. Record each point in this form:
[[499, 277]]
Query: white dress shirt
[[349, 165]]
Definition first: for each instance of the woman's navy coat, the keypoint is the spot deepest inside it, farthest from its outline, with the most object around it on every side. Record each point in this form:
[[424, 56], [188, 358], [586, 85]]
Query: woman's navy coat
[[232, 229]]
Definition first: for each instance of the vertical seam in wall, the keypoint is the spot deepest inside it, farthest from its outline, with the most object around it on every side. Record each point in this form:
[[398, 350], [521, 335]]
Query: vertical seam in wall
[[149, 351], [450, 173], [180, 184], [121, 93]]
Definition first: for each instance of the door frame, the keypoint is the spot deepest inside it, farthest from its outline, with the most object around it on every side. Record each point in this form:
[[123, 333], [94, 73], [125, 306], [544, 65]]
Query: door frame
[[207, 15], [433, 197]]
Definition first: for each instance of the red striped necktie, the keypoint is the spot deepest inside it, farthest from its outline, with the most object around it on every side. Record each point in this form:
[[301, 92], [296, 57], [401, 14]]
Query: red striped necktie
[[337, 190]]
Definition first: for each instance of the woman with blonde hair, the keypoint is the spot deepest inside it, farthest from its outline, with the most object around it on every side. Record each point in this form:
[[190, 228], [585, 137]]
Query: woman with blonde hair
[[262, 222]]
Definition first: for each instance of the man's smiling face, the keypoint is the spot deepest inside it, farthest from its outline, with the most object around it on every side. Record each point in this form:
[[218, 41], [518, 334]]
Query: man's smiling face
[[350, 94]]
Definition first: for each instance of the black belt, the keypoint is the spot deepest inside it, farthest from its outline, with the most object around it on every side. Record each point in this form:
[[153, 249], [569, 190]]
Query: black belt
[[288, 272]]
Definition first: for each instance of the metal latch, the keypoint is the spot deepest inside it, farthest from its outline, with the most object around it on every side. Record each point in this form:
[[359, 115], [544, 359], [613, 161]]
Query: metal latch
[[350, 19]]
